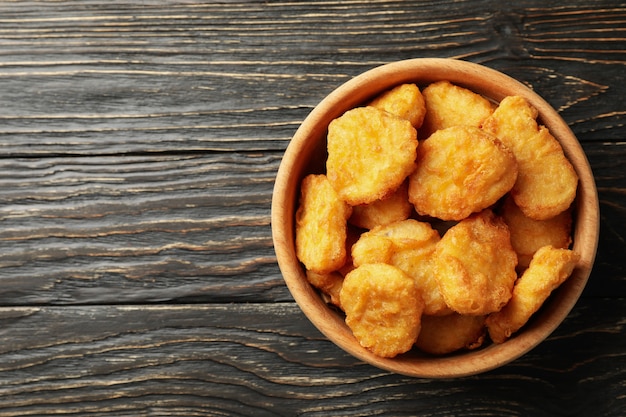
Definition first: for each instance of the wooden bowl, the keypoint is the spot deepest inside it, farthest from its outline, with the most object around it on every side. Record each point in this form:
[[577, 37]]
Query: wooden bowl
[[306, 154]]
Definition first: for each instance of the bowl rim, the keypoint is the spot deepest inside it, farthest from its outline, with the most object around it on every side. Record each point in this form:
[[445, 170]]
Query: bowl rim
[[422, 71]]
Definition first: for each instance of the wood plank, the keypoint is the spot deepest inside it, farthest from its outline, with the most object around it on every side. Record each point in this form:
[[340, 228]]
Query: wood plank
[[267, 359], [137, 229], [241, 76], [92, 230]]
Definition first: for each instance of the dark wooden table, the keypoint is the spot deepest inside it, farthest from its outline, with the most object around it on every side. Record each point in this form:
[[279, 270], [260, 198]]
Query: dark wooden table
[[139, 142]]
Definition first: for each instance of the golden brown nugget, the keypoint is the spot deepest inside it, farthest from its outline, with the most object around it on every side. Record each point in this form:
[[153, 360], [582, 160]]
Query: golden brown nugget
[[404, 101], [451, 105], [391, 209], [407, 234], [460, 170], [370, 153], [381, 243], [371, 249], [475, 265], [321, 226], [440, 335], [383, 308], [353, 235], [419, 265], [528, 235], [549, 268], [330, 284], [546, 184], [408, 245]]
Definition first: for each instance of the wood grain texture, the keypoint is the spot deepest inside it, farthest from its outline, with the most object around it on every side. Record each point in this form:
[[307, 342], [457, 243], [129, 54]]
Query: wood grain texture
[[160, 228], [137, 229], [267, 360], [124, 77], [139, 141]]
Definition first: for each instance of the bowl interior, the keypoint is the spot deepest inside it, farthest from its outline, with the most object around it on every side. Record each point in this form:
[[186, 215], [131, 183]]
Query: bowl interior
[[306, 154]]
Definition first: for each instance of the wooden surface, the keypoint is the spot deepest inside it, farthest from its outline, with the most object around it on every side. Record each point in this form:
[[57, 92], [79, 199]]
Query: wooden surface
[[138, 147]]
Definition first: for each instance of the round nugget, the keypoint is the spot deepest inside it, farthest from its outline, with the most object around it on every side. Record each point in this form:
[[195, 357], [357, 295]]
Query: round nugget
[[383, 308], [460, 170], [440, 335], [528, 235], [372, 249], [475, 265], [370, 153], [395, 207]]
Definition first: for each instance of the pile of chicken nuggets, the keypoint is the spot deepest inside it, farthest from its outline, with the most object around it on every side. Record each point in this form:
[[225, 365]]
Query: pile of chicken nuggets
[[443, 220]]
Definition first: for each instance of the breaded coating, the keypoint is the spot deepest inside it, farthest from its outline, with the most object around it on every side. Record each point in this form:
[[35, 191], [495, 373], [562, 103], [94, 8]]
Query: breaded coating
[[383, 308], [404, 101], [450, 105], [546, 184], [371, 249], [353, 235], [460, 170], [549, 268], [475, 265], [419, 265], [393, 208], [330, 284], [407, 234], [408, 245], [370, 153], [321, 226], [528, 235], [440, 335]]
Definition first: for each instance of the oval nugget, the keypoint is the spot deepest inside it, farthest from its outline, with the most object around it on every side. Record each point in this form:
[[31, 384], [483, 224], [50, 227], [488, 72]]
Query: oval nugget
[[440, 335], [475, 265], [528, 235], [460, 170], [370, 153], [549, 268], [383, 308], [321, 226], [546, 184], [450, 105]]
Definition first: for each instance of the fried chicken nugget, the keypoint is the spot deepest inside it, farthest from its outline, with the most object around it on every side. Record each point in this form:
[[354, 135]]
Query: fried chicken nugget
[[371, 249], [546, 184], [475, 265], [383, 308], [394, 208], [407, 234], [419, 265], [528, 235], [321, 226], [549, 268], [381, 243], [405, 101], [440, 335], [451, 105], [330, 284], [409, 246], [370, 153], [460, 170]]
